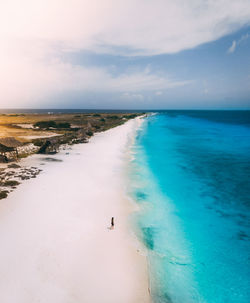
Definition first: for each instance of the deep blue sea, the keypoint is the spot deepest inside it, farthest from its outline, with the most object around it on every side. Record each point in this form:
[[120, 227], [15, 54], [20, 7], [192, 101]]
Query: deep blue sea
[[190, 175]]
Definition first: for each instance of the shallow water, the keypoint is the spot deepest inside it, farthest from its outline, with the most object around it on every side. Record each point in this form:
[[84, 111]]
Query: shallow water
[[190, 175]]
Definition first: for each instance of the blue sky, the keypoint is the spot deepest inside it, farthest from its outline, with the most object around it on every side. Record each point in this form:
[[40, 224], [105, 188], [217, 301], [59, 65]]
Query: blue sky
[[141, 54], [216, 77]]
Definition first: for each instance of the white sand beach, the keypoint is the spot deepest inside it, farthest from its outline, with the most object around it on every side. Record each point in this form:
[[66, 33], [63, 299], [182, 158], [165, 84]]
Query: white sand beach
[[56, 246]]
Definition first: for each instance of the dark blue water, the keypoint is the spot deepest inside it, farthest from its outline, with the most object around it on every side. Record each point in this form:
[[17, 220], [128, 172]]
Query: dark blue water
[[64, 111], [191, 177]]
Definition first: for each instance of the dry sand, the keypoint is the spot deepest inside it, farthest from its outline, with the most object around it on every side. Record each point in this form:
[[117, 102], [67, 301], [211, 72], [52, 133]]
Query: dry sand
[[55, 243]]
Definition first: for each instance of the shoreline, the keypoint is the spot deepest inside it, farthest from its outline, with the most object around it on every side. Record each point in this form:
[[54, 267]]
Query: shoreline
[[37, 136], [56, 244]]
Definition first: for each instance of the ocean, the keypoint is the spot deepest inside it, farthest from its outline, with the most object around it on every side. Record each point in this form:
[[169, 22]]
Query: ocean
[[64, 111], [190, 176]]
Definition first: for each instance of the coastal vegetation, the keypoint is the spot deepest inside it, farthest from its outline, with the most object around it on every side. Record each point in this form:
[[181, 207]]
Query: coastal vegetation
[[3, 194], [24, 134], [9, 183], [64, 128], [51, 124]]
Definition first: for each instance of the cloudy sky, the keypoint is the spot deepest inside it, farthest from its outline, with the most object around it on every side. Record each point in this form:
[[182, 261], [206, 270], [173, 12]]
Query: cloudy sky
[[125, 54]]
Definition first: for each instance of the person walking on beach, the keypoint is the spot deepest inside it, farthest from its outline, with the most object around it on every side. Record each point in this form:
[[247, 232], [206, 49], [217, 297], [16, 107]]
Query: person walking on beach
[[112, 223]]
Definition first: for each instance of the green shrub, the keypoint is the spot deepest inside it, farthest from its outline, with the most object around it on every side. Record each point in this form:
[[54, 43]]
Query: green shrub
[[112, 117], [45, 124], [11, 183], [89, 133], [48, 124], [3, 194], [132, 116], [63, 125]]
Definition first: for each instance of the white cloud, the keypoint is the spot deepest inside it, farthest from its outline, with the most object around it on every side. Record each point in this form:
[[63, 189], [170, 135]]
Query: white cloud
[[144, 27], [34, 35], [133, 97], [243, 38], [30, 78], [232, 47]]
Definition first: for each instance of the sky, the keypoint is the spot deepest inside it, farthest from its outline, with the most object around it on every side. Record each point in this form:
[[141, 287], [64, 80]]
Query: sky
[[117, 54]]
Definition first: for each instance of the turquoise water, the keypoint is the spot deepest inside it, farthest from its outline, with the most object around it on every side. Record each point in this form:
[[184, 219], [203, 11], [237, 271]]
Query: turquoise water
[[190, 175]]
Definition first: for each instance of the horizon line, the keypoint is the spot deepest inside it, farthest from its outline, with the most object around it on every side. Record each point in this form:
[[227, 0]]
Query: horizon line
[[124, 109]]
